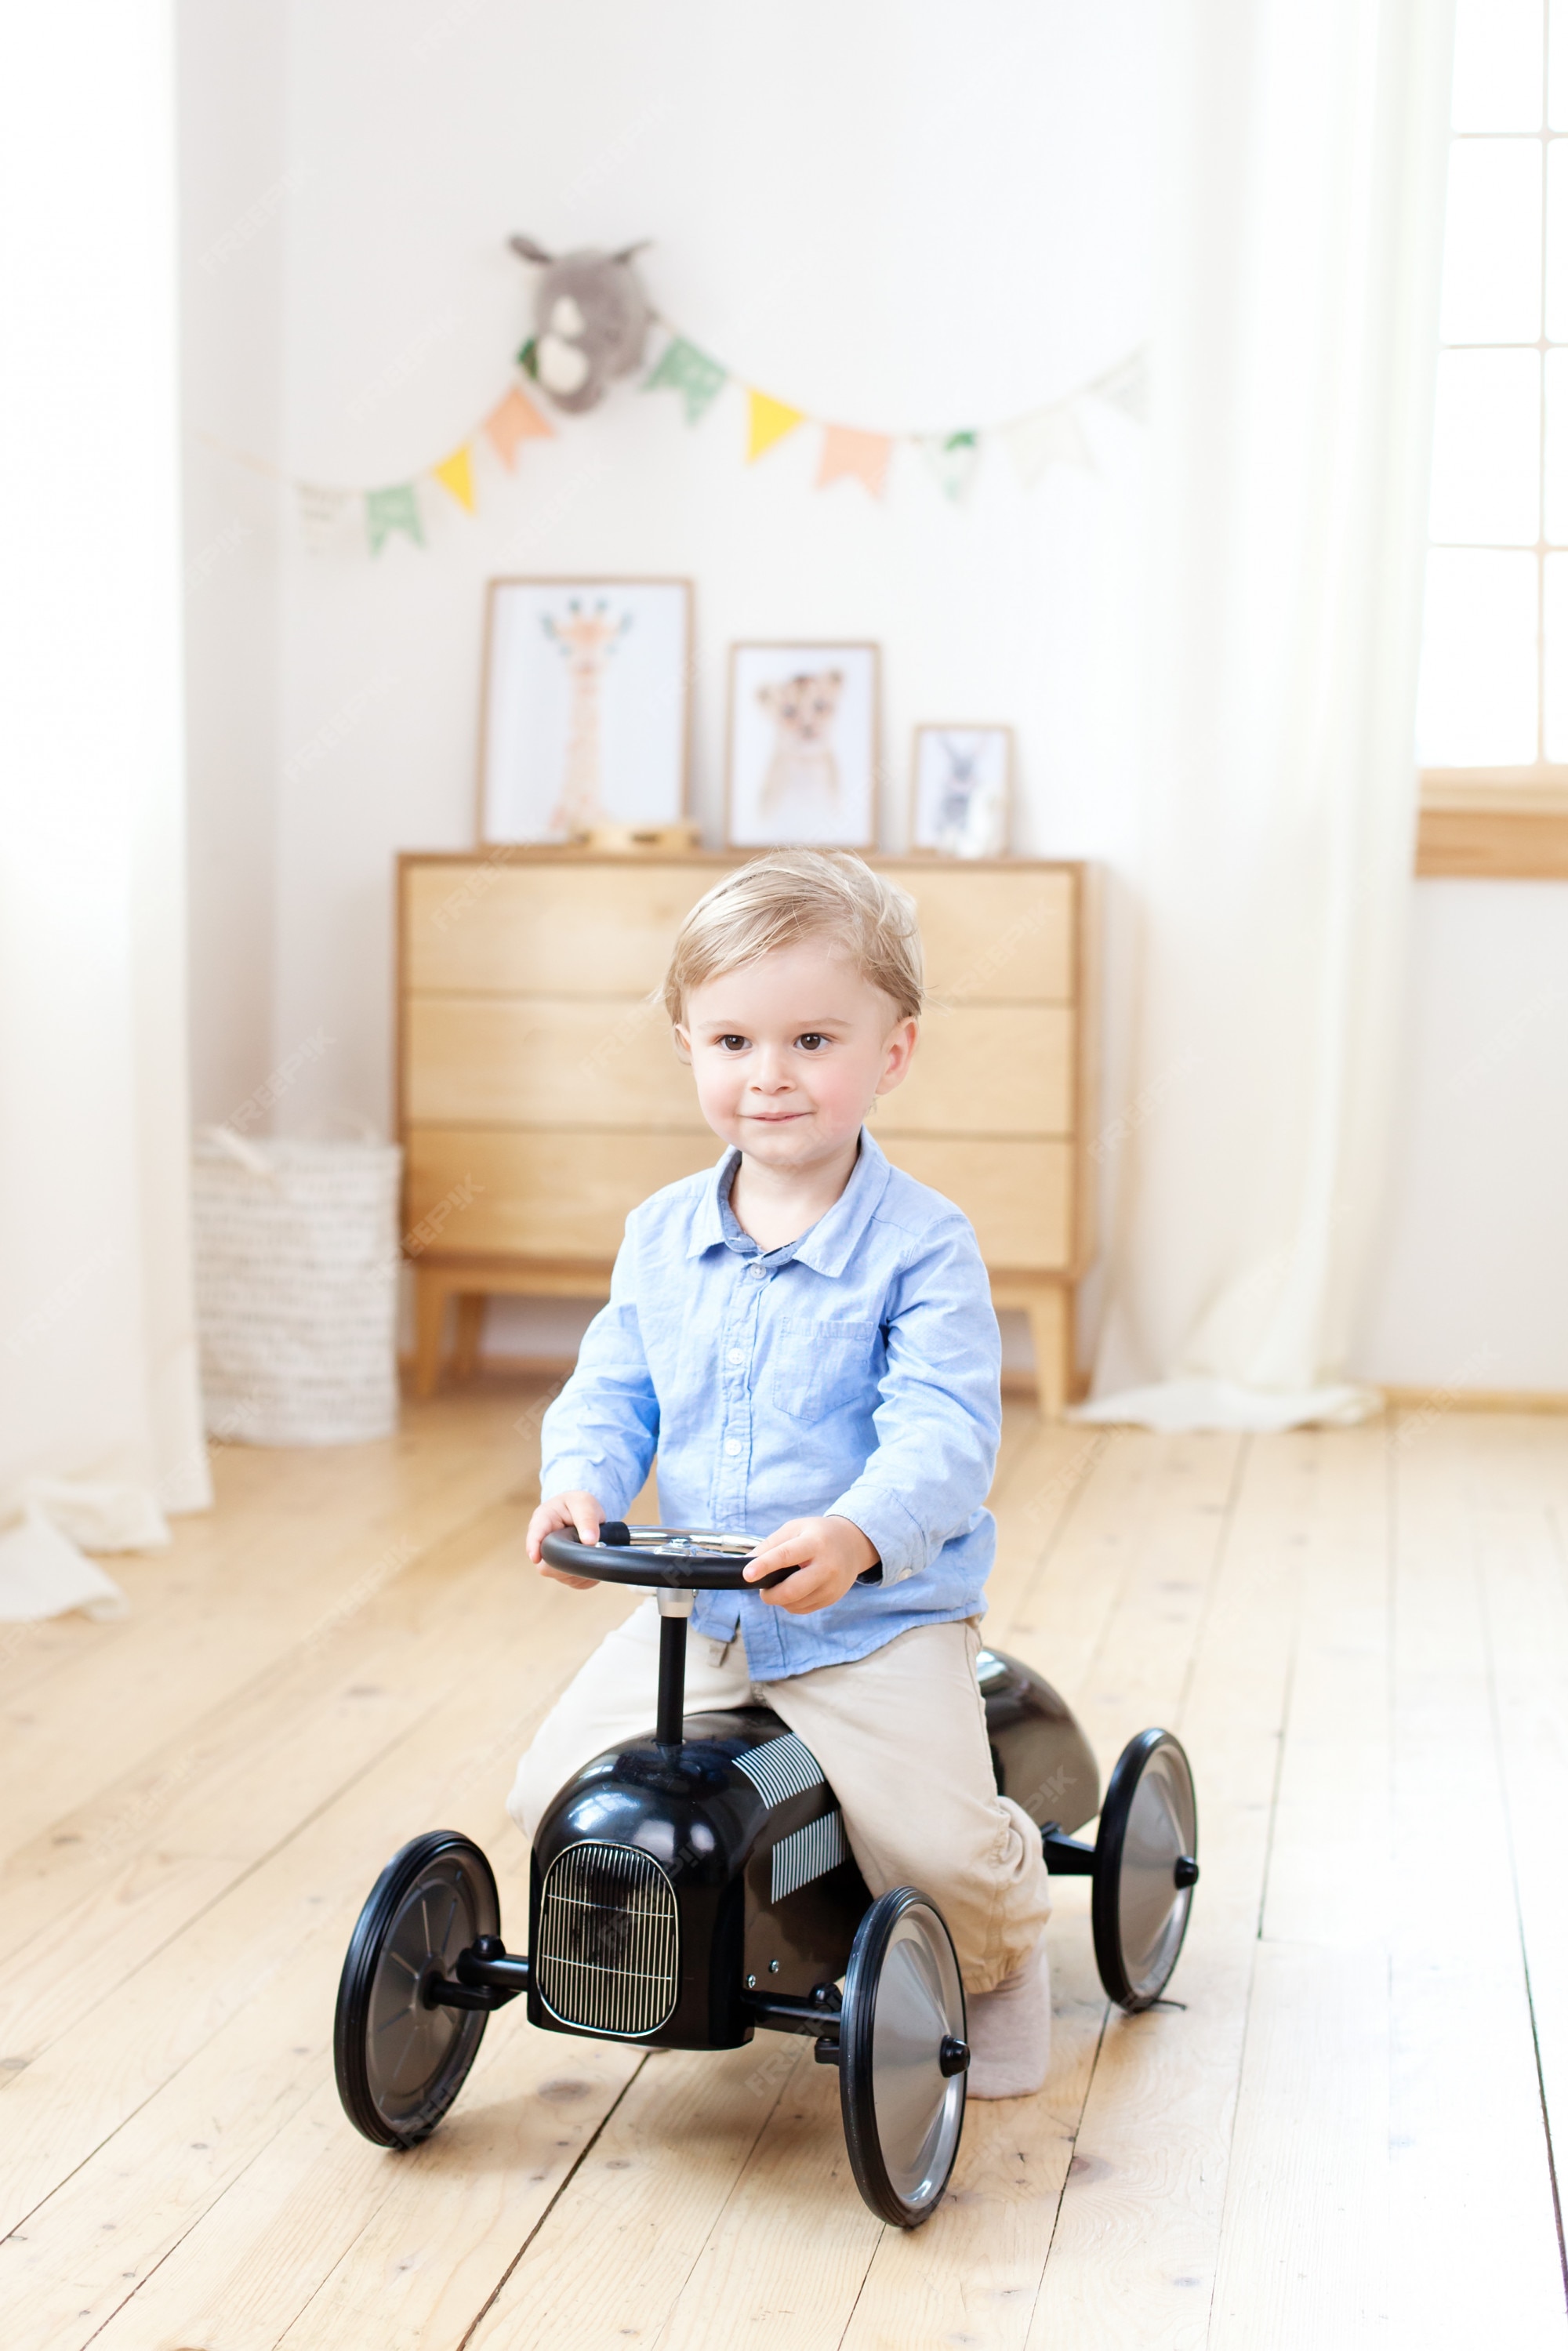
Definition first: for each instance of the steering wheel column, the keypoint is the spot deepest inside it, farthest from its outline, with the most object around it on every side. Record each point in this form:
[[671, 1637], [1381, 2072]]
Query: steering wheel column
[[678, 1564], [675, 1615]]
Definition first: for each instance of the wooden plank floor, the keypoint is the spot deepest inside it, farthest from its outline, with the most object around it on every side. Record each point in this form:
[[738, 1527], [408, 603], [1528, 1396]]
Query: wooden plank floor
[[1343, 2139]]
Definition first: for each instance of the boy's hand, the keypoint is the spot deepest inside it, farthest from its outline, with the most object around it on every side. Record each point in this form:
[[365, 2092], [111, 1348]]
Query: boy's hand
[[582, 1515], [827, 1555]]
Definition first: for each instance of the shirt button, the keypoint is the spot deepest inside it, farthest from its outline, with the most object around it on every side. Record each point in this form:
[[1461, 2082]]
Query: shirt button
[[758, 1270], [732, 1445], [736, 1355]]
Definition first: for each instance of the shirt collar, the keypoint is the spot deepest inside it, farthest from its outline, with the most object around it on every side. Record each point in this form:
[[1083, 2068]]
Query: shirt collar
[[707, 1224], [831, 1242]]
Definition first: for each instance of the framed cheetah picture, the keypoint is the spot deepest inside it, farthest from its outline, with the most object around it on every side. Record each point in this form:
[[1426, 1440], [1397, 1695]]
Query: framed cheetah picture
[[585, 708], [803, 746]]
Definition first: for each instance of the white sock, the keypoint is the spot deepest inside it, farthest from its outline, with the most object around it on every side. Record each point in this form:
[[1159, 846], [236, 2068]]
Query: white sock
[[1009, 2033]]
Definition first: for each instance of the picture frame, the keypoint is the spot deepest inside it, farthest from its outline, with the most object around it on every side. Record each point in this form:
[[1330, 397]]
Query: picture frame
[[802, 745], [585, 706], [961, 791]]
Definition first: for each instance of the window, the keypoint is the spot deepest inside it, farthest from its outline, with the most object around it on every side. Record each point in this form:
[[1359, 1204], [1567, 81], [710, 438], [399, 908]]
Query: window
[[1492, 722]]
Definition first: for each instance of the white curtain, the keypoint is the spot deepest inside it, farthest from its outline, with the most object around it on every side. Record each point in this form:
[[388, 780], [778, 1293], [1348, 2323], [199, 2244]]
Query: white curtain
[[99, 1422], [1302, 211]]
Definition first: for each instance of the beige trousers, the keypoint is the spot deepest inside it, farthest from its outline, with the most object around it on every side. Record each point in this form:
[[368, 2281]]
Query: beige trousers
[[902, 1737]]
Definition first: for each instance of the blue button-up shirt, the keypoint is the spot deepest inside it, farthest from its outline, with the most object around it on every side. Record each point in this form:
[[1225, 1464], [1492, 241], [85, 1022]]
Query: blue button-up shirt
[[854, 1372]]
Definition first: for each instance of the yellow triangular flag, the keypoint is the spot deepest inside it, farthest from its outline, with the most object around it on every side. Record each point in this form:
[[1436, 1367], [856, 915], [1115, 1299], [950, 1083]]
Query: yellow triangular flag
[[768, 421], [455, 474]]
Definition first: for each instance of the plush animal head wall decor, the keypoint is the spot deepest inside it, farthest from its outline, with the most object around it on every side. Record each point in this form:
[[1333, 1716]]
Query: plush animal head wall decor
[[591, 319]]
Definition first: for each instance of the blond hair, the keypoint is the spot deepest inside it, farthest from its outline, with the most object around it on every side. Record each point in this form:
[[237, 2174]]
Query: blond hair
[[801, 893]]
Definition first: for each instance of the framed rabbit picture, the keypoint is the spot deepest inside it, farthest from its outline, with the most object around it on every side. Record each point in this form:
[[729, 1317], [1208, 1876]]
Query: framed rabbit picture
[[963, 791], [802, 745]]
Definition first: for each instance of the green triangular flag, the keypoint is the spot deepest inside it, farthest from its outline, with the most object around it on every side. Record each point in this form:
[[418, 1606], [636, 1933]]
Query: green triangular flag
[[528, 358], [691, 372], [952, 457], [392, 509]]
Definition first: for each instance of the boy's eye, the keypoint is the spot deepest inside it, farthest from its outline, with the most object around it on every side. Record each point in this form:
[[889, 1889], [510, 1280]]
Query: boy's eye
[[810, 1040], [730, 1044]]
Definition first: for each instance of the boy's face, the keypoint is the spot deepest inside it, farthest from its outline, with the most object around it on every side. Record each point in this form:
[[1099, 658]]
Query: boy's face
[[789, 1052]]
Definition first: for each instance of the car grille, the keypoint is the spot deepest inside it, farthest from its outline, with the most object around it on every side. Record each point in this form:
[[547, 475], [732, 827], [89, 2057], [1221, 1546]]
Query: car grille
[[609, 1955], [781, 1768], [810, 1852]]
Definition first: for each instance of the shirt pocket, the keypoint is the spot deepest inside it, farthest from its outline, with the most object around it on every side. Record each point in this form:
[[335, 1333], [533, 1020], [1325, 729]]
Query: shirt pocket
[[820, 1368]]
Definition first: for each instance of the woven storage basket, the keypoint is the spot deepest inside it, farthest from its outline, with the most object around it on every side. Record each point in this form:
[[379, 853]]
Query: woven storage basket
[[297, 1264]]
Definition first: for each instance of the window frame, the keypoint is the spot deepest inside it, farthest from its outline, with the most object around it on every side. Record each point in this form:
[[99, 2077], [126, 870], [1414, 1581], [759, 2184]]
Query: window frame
[[1507, 822]]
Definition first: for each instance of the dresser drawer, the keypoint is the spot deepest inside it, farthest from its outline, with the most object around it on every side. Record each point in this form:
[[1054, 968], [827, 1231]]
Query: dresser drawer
[[992, 1068], [995, 937], [1017, 1195], [605, 928], [566, 1061], [490, 928], [490, 1060], [538, 1195], [569, 1194]]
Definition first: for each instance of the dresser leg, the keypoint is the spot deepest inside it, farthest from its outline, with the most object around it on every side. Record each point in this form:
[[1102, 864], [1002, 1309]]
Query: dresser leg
[[429, 1314], [470, 1325], [1050, 1328]]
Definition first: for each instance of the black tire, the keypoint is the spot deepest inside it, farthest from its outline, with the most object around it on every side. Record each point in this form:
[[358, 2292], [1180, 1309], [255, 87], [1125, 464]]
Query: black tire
[[400, 2061], [1146, 1866], [902, 2028]]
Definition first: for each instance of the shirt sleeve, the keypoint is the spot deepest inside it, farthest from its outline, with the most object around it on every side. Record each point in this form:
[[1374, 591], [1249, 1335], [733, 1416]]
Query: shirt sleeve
[[939, 1419], [600, 1434]]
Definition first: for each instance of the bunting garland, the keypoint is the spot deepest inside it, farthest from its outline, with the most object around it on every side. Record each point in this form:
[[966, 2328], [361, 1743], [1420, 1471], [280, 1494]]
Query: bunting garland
[[1047, 436], [1052, 435]]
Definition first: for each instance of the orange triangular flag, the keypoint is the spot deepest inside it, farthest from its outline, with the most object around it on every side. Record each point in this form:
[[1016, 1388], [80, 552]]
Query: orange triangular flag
[[516, 419], [456, 475], [768, 421], [862, 456]]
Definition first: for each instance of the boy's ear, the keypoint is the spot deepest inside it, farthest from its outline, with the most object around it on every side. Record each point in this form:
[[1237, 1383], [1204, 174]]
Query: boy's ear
[[681, 1044], [900, 1052]]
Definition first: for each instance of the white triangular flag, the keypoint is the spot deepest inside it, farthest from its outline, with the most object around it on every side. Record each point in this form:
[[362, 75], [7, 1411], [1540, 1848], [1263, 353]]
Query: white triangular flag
[[1128, 387], [323, 514], [1052, 436]]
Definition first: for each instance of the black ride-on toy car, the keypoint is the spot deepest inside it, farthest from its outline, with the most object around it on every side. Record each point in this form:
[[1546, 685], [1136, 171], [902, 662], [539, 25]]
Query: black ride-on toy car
[[692, 1885]]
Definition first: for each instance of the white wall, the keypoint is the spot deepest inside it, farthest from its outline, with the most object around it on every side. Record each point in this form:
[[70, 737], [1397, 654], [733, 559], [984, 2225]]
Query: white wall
[[864, 215], [909, 214]]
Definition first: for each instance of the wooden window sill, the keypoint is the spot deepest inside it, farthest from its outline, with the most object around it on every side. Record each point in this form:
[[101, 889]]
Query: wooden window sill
[[1493, 824]]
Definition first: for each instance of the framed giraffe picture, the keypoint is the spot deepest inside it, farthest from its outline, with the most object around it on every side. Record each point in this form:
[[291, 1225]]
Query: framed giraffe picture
[[586, 707]]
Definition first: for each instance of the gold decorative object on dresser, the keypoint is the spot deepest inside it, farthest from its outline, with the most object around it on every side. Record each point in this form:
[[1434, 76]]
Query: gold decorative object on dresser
[[538, 1100]]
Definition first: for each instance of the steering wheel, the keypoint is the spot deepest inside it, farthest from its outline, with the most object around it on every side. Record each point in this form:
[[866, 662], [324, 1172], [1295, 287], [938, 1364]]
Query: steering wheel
[[675, 1559]]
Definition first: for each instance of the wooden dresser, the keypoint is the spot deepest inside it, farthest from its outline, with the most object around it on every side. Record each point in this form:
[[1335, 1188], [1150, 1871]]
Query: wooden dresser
[[539, 1100]]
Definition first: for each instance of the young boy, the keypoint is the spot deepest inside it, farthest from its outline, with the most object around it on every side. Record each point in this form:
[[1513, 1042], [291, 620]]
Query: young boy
[[804, 1335]]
